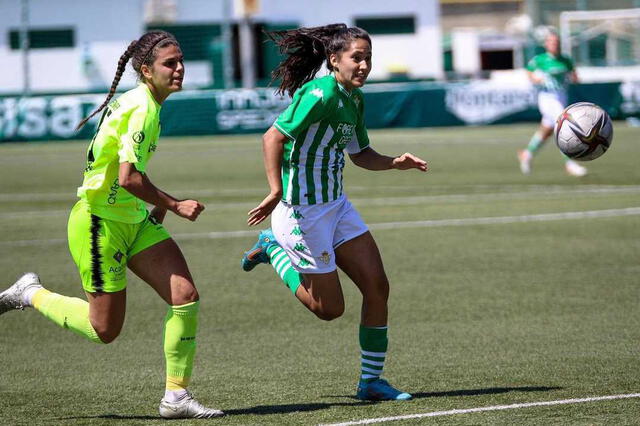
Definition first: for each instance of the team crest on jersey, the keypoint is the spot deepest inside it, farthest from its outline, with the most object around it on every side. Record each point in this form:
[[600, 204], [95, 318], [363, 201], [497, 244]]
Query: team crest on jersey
[[114, 105], [118, 256], [317, 93], [138, 137], [325, 257]]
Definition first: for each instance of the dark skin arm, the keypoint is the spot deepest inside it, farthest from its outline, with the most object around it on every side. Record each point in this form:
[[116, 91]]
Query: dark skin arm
[[139, 185]]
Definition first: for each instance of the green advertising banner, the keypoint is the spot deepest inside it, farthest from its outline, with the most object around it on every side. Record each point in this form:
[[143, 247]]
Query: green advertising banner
[[213, 112]]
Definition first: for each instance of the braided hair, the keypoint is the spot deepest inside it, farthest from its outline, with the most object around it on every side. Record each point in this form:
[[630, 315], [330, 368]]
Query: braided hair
[[306, 49], [141, 52]]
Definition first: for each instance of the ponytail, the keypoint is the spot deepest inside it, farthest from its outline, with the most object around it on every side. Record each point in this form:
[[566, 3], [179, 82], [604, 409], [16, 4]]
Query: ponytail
[[122, 63], [306, 50], [143, 51]]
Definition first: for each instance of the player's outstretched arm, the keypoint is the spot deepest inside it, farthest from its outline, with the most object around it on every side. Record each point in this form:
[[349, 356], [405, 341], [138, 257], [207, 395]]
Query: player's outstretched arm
[[272, 148], [371, 160], [140, 186]]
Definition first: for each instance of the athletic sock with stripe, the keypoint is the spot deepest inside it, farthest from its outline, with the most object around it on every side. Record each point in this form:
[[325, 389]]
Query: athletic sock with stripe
[[282, 264], [373, 350]]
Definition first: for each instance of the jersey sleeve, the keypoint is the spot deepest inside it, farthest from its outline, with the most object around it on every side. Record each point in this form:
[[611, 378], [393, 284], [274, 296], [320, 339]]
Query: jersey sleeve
[[133, 142], [309, 105], [532, 65], [360, 138]]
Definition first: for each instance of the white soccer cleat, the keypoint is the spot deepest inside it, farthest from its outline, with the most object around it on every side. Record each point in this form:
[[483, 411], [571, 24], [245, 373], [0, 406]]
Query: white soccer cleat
[[187, 408], [524, 157], [575, 169], [13, 297]]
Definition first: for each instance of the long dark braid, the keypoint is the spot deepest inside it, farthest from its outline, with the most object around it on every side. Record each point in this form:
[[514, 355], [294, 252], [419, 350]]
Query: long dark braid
[[307, 49], [143, 51]]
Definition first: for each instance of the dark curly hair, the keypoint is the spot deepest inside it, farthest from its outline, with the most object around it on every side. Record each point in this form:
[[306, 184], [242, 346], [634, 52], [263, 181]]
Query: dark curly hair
[[306, 49]]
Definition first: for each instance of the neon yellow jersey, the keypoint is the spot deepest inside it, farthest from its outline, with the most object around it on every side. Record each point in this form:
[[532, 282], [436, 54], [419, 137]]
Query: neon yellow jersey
[[128, 132]]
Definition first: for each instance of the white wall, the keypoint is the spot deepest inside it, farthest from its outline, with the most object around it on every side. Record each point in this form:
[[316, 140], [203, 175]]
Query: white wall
[[420, 53], [104, 29]]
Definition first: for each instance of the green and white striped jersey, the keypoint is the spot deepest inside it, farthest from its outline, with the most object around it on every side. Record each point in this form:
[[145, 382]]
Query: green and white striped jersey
[[322, 121], [556, 70]]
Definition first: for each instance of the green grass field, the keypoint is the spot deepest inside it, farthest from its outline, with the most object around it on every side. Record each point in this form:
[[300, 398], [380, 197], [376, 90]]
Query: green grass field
[[483, 312]]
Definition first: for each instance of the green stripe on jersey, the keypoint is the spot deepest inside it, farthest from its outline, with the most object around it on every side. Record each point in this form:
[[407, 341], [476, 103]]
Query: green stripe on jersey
[[555, 69], [310, 161], [322, 121]]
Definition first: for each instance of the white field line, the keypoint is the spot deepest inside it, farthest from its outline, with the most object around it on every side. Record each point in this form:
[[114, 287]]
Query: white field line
[[490, 408], [503, 191], [545, 193], [493, 220]]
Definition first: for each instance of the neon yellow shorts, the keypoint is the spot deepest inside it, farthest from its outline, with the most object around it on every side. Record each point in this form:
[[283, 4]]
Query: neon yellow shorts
[[101, 247]]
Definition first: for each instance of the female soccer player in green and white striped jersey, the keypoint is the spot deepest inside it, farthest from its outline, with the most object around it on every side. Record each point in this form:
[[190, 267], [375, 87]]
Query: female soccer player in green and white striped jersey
[[110, 228], [551, 72], [315, 227]]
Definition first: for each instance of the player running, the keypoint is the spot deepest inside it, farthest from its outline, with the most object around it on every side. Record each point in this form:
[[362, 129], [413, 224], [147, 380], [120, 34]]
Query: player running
[[315, 227], [551, 72], [110, 227]]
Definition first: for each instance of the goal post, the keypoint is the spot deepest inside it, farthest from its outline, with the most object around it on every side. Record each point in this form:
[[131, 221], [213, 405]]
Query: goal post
[[601, 37]]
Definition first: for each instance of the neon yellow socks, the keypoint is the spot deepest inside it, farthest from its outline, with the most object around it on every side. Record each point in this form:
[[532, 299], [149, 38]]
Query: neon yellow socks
[[68, 312], [282, 264], [373, 349], [180, 326]]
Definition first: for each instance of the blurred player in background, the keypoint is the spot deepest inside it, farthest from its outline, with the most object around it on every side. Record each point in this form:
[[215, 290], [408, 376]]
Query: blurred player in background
[[551, 72], [315, 227], [110, 227]]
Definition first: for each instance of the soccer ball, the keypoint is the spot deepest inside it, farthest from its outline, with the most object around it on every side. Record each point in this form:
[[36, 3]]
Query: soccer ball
[[583, 131]]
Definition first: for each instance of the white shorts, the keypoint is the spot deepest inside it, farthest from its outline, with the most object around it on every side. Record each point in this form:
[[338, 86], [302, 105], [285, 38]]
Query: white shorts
[[310, 234], [551, 105]]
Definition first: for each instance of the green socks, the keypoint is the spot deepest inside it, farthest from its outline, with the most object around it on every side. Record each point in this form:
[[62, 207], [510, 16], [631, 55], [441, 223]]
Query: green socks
[[535, 143], [373, 348], [180, 327], [282, 264], [68, 312]]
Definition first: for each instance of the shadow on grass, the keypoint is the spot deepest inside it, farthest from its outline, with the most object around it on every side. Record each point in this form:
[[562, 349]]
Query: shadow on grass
[[486, 391], [293, 408], [471, 392], [111, 417]]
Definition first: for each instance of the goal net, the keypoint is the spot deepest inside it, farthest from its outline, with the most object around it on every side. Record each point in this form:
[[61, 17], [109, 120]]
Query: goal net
[[601, 37]]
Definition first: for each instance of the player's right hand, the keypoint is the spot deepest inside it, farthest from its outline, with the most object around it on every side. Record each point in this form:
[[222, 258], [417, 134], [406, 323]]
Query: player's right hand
[[189, 209], [263, 210]]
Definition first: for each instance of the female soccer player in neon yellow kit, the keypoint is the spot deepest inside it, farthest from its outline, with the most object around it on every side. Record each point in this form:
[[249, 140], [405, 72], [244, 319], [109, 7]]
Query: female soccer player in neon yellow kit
[[315, 227], [110, 227]]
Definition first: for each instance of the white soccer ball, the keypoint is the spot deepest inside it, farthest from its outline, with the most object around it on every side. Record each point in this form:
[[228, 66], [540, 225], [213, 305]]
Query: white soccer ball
[[583, 131]]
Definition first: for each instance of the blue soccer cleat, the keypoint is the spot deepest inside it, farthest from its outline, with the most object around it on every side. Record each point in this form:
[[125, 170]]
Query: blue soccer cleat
[[380, 390], [258, 253]]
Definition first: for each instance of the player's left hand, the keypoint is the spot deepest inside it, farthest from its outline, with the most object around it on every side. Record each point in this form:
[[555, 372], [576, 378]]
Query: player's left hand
[[263, 210], [408, 161]]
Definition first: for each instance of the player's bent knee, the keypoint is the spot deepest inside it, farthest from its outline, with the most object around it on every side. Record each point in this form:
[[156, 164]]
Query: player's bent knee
[[184, 294], [329, 314], [107, 334]]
